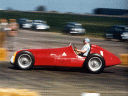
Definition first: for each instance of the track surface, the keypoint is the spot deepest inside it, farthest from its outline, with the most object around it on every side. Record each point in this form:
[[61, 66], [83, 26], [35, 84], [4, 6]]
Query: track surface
[[62, 81]]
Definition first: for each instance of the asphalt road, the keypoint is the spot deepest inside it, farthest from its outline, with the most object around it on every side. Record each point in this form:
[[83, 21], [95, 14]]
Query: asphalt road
[[33, 39], [65, 81]]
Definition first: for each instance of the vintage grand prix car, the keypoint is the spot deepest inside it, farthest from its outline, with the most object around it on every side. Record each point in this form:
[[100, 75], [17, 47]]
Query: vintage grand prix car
[[97, 59]]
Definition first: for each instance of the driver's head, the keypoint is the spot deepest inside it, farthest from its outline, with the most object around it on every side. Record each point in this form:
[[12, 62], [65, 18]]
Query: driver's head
[[86, 40]]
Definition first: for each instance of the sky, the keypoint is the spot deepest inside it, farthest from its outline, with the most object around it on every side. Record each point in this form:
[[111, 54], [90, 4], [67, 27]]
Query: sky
[[63, 6]]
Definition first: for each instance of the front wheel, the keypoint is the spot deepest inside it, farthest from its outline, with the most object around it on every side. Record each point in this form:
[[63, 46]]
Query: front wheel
[[95, 63], [24, 60]]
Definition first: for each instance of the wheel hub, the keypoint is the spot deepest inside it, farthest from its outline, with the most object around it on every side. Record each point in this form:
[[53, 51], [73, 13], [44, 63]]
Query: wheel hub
[[24, 60], [95, 64]]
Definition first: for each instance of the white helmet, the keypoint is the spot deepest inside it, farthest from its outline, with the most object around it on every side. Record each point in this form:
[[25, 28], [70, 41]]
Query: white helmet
[[87, 40]]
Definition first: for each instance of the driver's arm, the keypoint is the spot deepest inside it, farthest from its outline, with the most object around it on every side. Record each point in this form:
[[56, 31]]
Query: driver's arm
[[82, 51]]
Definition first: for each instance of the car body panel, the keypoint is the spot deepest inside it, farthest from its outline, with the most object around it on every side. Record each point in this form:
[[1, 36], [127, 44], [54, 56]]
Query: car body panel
[[66, 57], [57, 57], [110, 59]]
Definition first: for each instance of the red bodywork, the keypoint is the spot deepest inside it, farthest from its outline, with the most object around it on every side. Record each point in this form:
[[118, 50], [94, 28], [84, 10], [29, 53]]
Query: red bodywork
[[66, 56]]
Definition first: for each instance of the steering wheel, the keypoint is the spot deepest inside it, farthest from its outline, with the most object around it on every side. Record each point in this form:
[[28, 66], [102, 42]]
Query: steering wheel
[[75, 50]]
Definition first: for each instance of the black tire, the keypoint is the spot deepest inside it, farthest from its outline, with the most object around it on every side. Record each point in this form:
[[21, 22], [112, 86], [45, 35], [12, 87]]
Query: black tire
[[24, 60], [95, 63]]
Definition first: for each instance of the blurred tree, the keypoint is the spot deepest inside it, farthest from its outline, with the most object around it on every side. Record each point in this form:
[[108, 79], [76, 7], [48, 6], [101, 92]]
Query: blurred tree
[[9, 8], [41, 8]]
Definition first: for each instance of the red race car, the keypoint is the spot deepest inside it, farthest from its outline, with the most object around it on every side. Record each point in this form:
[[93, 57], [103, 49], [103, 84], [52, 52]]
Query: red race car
[[97, 59]]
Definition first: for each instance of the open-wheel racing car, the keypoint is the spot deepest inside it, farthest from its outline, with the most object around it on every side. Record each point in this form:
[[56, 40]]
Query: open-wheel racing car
[[97, 59]]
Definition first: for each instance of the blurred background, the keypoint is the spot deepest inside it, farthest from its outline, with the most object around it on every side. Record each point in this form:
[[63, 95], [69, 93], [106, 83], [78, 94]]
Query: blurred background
[[95, 16]]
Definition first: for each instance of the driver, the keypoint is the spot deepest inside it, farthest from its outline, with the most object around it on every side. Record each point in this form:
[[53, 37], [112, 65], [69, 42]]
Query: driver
[[86, 48]]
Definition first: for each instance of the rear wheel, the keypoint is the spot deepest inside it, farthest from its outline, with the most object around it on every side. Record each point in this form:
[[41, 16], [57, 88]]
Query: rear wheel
[[95, 63], [24, 60]]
